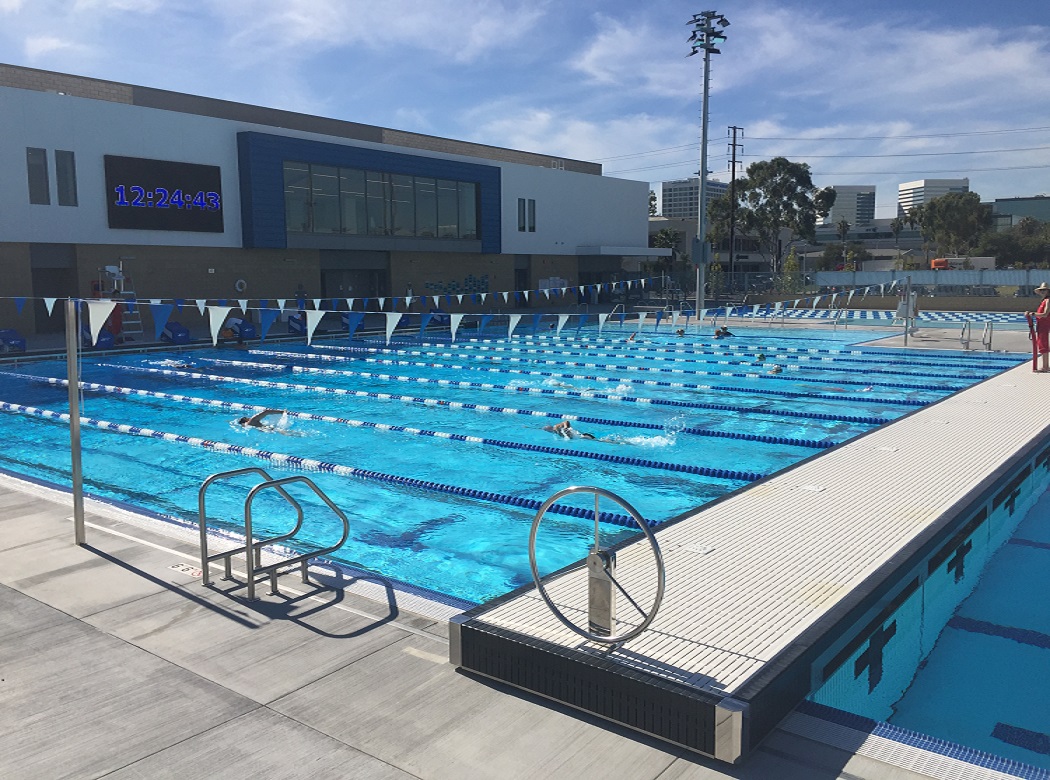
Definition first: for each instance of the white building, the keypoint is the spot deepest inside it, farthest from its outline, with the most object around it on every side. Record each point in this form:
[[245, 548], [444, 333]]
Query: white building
[[914, 193], [679, 198], [199, 197], [853, 203]]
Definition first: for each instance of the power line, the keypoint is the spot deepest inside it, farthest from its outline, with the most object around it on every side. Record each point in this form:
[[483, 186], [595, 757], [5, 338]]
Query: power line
[[920, 154], [667, 165], [894, 137], [914, 173]]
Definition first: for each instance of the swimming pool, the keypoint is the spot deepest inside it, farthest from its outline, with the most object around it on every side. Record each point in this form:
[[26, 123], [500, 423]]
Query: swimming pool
[[438, 452]]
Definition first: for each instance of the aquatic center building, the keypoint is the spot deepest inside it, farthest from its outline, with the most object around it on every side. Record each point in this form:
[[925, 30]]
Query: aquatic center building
[[193, 196]]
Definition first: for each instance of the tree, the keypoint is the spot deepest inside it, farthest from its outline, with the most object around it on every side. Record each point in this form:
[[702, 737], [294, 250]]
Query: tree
[[774, 195], [652, 203], [1025, 244], [790, 280], [897, 227], [955, 221]]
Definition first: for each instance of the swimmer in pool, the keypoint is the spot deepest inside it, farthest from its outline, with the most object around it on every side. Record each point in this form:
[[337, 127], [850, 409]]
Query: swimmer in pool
[[775, 370], [256, 420], [566, 431]]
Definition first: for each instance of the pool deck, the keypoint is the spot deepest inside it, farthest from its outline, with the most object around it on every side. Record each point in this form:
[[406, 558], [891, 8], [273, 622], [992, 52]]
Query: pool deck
[[116, 662]]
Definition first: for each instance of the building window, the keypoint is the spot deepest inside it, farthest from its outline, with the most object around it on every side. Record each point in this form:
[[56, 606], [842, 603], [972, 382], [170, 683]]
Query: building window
[[532, 216], [39, 187], [66, 177], [521, 215], [325, 199]]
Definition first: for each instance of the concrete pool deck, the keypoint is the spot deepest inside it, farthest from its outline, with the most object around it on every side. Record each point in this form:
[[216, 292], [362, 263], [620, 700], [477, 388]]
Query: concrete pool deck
[[116, 662]]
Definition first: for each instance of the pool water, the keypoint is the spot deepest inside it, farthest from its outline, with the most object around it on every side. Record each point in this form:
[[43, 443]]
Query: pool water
[[438, 452]]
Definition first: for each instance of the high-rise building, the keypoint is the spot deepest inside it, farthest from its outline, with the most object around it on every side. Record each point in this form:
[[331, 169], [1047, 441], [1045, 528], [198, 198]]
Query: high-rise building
[[680, 198], [915, 193], [853, 203]]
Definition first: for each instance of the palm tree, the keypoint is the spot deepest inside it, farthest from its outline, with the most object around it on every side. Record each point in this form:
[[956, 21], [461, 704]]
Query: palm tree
[[843, 227], [896, 226]]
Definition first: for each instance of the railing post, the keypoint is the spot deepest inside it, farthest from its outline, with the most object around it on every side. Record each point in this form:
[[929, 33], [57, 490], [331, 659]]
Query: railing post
[[73, 376]]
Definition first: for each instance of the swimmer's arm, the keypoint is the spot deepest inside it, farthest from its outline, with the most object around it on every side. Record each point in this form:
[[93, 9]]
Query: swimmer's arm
[[257, 419]]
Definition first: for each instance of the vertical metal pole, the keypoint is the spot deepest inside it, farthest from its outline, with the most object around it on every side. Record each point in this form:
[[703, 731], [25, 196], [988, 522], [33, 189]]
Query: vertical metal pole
[[73, 375], [701, 221], [907, 309]]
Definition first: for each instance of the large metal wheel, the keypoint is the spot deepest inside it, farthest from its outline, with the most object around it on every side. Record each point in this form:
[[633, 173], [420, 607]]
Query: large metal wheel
[[647, 617]]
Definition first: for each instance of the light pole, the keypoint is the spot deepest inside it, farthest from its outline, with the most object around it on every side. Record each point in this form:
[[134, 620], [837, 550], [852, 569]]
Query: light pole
[[704, 38]]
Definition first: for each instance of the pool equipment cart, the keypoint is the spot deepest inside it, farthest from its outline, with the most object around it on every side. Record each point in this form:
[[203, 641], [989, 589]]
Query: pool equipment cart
[[253, 563], [601, 575]]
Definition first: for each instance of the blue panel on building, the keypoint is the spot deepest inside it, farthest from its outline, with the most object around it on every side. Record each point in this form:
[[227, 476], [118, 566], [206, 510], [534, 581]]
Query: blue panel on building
[[261, 158]]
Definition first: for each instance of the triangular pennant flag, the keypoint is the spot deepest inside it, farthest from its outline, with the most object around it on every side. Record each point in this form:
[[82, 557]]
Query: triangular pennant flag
[[454, 320], [797, 302], [424, 320], [317, 304], [526, 294], [364, 304], [564, 290], [659, 316], [216, 319], [49, 304], [641, 320], [623, 316], [459, 298], [201, 305], [849, 297], [222, 301], [547, 292], [267, 317], [475, 298], [642, 282], [484, 295], [674, 318], [393, 303], [179, 303], [408, 301], [506, 296], [392, 319], [833, 297], [562, 319], [98, 313], [281, 303], [437, 301], [448, 300], [350, 303], [514, 319], [778, 306], [160, 312], [816, 301], [583, 319], [242, 303], [536, 323], [382, 303], [485, 320], [313, 319], [703, 313], [601, 322], [353, 321], [264, 303], [754, 310]]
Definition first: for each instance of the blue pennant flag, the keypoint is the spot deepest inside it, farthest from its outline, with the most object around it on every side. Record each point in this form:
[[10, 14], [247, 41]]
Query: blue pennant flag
[[19, 303], [130, 303], [222, 301], [264, 303], [267, 317], [353, 321], [476, 298], [448, 300], [517, 297], [622, 317], [659, 316], [485, 320], [364, 304], [583, 319], [424, 320], [536, 322], [179, 303], [160, 312]]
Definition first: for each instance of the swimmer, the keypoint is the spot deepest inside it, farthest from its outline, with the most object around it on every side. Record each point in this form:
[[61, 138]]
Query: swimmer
[[566, 431], [775, 370], [631, 338], [256, 420], [725, 331], [680, 332], [760, 357], [718, 334]]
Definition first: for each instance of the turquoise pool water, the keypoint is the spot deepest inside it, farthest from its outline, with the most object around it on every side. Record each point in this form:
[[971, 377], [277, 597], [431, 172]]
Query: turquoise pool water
[[442, 448]]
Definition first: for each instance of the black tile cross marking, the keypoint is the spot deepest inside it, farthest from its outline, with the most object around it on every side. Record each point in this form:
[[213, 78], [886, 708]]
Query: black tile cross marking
[[1011, 502], [871, 659], [958, 562]]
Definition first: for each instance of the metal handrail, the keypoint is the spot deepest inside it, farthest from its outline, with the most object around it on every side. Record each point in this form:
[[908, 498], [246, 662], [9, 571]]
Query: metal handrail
[[986, 337], [253, 549], [619, 306], [965, 335]]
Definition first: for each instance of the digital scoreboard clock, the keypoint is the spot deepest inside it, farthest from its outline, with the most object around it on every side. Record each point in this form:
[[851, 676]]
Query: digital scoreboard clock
[[147, 194]]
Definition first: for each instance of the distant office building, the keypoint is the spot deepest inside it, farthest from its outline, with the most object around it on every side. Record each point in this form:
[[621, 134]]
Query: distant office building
[[915, 193], [680, 198], [853, 203], [1010, 211]]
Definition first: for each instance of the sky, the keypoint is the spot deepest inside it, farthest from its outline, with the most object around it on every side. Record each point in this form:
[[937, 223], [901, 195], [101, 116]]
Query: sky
[[864, 92]]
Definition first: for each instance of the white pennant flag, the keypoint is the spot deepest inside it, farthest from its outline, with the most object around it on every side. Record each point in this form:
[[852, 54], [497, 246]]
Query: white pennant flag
[[408, 301], [547, 292], [392, 318], [797, 300], [674, 318], [816, 302], [459, 298], [526, 294], [382, 303], [280, 303], [778, 306], [50, 304], [642, 282], [601, 321], [563, 290], [833, 297], [454, 320], [98, 313], [201, 303], [484, 296], [437, 301], [641, 321], [350, 303], [703, 313], [514, 319], [754, 310], [243, 303], [313, 319], [506, 296], [216, 319], [850, 297], [562, 319], [317, 304], [882, 289]]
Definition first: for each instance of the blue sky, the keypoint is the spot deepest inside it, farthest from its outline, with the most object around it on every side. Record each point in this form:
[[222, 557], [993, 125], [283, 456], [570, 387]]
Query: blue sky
[[952, 88]]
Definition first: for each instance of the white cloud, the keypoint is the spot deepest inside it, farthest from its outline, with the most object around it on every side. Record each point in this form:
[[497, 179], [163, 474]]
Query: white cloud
[[43, 45], [10, 6]]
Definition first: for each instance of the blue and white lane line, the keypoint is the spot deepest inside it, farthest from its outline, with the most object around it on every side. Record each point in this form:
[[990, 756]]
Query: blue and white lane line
[[616, 379], [624, 460], [588, 395], [413, 348], [309, 464]]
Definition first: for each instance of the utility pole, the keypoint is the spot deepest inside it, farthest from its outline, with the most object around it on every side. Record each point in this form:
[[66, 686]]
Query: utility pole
[[732, 199]]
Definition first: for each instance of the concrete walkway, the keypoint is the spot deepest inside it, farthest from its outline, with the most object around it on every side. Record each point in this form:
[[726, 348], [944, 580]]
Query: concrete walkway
[[116, 662]]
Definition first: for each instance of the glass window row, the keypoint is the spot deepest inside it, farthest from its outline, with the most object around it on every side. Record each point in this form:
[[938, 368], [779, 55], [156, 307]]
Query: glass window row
[[326, 199]]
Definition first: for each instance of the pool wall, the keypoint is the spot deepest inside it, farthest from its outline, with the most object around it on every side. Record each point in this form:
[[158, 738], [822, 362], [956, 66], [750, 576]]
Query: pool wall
[[867, 672]]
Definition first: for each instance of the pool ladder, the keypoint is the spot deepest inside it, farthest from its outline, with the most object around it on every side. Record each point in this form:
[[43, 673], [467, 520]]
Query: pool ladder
[[252, 548]]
